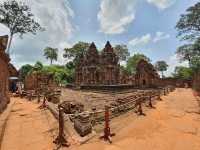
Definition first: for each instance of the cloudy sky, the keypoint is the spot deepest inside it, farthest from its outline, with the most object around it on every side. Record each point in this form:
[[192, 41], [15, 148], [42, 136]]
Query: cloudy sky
[[145, 26]]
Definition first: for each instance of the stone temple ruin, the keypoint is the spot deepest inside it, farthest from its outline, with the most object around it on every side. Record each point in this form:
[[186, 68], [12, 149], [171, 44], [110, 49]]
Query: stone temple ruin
[[94, 69], [146, 75], [4, 73], [35, 80]]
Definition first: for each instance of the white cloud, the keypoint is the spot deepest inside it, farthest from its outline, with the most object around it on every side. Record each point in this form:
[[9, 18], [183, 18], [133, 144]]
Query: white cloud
[[115, 15], [162, 4], [55, 16], [140, 41], [147, 38], [160, 36], [173, 61]]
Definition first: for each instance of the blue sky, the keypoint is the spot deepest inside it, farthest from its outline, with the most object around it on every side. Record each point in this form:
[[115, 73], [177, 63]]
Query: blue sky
[[145, 26]]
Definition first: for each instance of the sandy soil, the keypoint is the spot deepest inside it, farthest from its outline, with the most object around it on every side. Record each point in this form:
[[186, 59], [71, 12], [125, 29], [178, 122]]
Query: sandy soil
[[29, 128], [173, 125]]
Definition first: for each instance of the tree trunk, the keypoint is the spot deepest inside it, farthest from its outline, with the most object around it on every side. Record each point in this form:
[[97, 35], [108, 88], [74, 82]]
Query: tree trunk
[[162, 74], [9, 44], [51, 61]]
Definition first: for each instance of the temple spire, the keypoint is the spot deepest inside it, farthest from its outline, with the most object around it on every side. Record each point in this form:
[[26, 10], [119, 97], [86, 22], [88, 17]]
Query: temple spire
[[108, 48]]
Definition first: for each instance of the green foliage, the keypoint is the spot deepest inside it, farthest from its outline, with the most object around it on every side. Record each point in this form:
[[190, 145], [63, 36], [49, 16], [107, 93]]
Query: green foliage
[[183, 72], [70, 65], [18, 18], [189, 24], [195, 63], [38, 66], [133, 61], [24, 70], [51, 53], [76, 51], [161, 66], [122, 52], [185, 52], [62, 75], [189, 29]]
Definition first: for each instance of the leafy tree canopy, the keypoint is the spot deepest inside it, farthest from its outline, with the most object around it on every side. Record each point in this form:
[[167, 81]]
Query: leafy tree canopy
[[17, 16], [76, 51], [183, 72], [61, 74], [189, 29], [122, 52], [161, 66], [189, 24], [24, 70], [195, 63]]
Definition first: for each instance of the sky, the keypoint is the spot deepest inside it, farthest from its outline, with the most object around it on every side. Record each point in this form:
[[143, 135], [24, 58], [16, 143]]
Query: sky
[[145, 26]]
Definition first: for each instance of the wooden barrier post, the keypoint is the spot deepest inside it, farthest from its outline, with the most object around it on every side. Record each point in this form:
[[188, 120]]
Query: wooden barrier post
[[30, 96], [159, 95], [150, 101], [44, 102], [38, 98], [164, 92], [140, 111], [107, 134], [60, 140]]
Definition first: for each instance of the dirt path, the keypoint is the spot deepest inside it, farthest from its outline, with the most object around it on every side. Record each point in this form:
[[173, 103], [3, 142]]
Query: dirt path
[[173, 125], [28, 127]]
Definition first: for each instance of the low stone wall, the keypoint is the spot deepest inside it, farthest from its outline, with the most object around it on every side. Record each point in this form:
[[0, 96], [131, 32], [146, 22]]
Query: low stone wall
[[107, 87], [176, 82]]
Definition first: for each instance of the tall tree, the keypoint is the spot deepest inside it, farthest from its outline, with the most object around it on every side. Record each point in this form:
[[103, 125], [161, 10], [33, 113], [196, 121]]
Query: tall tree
[[18, 18], [189, 29], [133, 61], [122, 52], [51, 53], [161, 66], [189, 24], [76, 51]]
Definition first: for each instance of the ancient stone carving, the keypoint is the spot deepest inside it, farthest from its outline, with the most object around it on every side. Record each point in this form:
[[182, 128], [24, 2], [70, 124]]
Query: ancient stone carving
[[82, 124], [98, 69], [146, 75]]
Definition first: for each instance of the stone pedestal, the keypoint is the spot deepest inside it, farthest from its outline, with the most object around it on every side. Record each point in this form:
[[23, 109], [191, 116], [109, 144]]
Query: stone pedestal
[[83, 125]]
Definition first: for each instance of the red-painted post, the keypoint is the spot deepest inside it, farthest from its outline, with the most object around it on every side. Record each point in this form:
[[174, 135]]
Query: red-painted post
[[150, 101], [60, 140], [107, 134]]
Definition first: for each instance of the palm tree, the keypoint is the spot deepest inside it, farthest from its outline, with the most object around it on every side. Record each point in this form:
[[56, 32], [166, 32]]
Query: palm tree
[[51, 53]]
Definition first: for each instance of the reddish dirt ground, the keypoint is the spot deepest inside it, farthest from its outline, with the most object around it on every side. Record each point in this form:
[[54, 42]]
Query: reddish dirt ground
[[173, 125], [28, 127]]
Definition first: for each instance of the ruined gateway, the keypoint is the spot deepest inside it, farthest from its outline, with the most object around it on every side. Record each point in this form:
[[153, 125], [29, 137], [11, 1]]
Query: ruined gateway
[[4, 73]]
